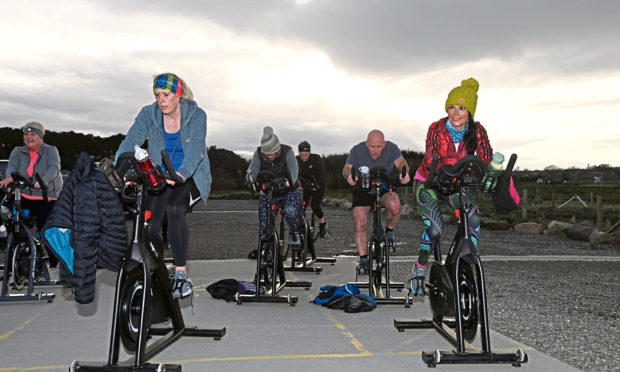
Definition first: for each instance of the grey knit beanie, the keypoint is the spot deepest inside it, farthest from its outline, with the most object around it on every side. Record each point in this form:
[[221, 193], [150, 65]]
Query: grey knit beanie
[[269, 142]]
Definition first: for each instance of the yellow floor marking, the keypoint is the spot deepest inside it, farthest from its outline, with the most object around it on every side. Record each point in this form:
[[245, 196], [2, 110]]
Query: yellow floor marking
[[19, 328], [37, 368]]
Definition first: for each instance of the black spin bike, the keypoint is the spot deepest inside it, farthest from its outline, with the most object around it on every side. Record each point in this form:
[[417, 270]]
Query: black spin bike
[[143, 289], [299, 255], [378, 179], [25, 268], [270, 277], [457, 287]]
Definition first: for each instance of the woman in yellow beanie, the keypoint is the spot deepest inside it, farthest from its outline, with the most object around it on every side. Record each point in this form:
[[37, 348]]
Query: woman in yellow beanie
[[451, 139]]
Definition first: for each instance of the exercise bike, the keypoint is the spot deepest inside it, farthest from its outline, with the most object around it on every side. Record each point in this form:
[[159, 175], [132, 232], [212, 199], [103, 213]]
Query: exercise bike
[[143, 290], [270, 277], [20, 243], [299, 257], [456, 287], [379, 249]]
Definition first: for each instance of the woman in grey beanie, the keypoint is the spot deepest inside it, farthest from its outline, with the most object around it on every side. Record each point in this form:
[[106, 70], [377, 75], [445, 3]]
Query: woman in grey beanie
[[279, 159]]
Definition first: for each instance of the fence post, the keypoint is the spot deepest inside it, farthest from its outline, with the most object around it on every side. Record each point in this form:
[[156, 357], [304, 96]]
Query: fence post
[[592, 199], [524, 204], [599, 211]]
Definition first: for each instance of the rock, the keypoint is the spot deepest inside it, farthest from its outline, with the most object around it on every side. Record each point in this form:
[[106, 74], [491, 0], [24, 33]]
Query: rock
[[580, 231], [558, 227], [346, 205], [330, 202], [529, 227], [601, 237], [493, 224], [406, 211]]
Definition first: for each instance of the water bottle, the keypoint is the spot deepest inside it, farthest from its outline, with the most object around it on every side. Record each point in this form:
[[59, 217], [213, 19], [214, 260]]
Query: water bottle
[[5, 213], [3, 232], [146, 165], [365, 176], [494, 168]]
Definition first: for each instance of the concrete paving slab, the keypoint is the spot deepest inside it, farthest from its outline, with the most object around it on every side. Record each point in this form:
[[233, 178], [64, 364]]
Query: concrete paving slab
[[274, 337]]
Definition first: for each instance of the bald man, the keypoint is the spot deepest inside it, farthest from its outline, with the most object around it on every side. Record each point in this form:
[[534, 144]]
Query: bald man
[[374, 152]]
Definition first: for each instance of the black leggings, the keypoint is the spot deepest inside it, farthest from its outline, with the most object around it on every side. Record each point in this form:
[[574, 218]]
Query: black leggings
[[172, 205], [316, 198], [41, 210]]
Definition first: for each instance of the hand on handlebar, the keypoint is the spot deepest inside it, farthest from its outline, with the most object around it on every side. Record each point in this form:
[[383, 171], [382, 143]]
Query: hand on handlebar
[[351, 181], [404, 180], [5, 182]]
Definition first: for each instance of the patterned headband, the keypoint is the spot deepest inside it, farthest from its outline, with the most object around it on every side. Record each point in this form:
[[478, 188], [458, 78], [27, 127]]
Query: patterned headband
[[169, 83]]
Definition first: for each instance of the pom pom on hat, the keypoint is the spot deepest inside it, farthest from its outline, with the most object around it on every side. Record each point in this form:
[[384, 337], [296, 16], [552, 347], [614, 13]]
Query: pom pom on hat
[[269, 142], [464, 95]]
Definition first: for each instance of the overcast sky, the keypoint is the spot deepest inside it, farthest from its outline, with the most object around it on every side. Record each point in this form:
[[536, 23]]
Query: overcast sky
[[325, 71]]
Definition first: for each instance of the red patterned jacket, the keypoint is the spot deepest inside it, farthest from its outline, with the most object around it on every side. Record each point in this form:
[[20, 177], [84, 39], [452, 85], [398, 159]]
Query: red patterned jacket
[[439, 142]]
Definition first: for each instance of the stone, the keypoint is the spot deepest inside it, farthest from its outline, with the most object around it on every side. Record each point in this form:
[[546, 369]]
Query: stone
[[406, 210], [601, 237], [558, 227], [579, 231], [529, 227], [493, 224]]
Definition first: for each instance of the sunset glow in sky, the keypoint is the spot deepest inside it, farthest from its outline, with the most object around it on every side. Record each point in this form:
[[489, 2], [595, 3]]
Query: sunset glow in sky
[[325, 71]]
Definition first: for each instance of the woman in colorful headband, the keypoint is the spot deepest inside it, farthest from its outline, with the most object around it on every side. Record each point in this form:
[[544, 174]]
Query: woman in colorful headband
[[174, 123], [36, 157], [451, 138]]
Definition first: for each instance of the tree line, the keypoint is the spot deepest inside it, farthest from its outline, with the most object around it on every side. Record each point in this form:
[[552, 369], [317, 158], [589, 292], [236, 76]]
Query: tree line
[[227, 168]]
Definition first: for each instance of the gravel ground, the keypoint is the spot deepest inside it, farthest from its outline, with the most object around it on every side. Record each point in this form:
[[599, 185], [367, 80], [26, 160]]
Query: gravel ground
[[566, 309]]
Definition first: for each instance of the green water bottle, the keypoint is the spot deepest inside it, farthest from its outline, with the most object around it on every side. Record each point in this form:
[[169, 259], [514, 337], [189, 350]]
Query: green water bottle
[[494, 168]]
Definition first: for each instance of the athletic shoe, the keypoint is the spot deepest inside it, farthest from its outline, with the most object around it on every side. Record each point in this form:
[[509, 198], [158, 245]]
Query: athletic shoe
[[253, 254], [181, 285], [417, 282], [295, 242], [323, 230], [391, 240], [364, 266]]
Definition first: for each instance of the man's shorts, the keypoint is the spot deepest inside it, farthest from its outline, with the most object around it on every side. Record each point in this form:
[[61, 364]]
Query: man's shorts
[[364, 199]]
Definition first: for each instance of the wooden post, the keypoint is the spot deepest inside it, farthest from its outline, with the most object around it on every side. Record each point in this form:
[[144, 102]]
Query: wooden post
[[553, 199], [599, 211], [524, 204], [592, 199]]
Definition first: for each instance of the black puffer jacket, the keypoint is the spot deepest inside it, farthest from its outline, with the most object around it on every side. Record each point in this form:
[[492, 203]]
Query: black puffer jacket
[[86, 228]]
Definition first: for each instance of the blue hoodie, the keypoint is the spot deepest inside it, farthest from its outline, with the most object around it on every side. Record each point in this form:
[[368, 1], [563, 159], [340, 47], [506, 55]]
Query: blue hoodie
[[147, 126]]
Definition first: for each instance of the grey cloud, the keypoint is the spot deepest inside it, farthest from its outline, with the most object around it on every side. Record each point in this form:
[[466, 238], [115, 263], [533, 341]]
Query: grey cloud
[[404, 36]]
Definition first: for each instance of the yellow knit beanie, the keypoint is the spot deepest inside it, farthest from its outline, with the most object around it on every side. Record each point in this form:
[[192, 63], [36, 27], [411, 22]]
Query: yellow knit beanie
[[465, 96]]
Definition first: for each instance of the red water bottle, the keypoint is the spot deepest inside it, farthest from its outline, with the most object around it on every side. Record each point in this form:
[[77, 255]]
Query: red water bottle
[[146, 166]]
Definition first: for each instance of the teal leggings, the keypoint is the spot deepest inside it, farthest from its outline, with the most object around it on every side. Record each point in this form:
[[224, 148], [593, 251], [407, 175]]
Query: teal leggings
[[427, 201]]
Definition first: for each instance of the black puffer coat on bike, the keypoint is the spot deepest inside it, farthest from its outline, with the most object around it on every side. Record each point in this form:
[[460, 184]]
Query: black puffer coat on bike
[[86, 228]]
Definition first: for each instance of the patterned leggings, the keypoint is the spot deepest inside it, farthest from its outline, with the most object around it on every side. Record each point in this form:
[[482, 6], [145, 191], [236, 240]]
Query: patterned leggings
[[427, 201], [290, 207]]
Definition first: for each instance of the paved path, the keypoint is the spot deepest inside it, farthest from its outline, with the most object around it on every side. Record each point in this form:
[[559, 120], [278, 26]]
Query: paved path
[[260, 337]]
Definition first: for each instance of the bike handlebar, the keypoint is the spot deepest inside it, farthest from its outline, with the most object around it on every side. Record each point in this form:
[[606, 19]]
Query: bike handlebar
[[466, 171], [165, 158], [379, 176], [42, 184]]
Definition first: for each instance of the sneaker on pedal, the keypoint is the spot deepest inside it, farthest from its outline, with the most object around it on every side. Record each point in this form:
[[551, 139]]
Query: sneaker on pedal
[[295, 241], [417, 282], [181, 285], [323, 230], [364, 266], [391, 240]]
